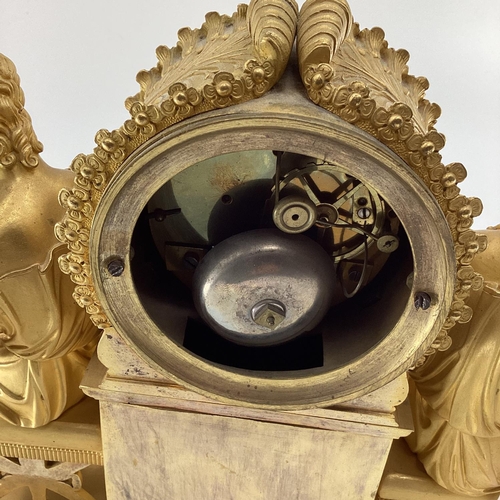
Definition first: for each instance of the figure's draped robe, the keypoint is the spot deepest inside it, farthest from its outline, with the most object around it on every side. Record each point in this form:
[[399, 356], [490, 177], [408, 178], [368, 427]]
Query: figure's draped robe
[[48, 342], [456, 404]]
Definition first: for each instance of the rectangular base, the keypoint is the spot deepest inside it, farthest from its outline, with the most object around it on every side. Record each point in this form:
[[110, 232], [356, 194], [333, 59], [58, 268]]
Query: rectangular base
[[158, 453], [163, 441]]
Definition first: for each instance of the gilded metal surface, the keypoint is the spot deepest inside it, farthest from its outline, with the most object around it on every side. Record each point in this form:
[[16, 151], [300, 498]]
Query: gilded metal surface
[[18, 142], [244, 55], [249, 51], [390, 106], [307, 129], [52, 454], [367, 84], [335, 59], [41, 477], [45, 340], [323, 25], [454, 395]]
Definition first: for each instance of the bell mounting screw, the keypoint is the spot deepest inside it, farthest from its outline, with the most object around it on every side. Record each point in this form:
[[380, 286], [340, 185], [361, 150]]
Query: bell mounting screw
[[116, 267], [422, 301]]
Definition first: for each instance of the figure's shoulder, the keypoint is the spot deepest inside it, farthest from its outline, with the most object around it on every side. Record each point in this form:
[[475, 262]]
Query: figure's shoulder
[[487, 263], [30, 211]]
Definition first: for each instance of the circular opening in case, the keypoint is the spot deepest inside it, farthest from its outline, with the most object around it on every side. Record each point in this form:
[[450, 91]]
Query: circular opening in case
[[273, 266], [249, 293]]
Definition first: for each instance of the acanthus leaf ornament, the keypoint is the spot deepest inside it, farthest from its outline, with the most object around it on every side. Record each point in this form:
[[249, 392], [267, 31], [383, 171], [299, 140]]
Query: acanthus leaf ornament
[[369, 85], [241, 57], [349, 72]]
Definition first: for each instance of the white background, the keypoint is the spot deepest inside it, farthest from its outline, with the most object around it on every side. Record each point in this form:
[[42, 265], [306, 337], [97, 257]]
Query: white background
[[78, 60]]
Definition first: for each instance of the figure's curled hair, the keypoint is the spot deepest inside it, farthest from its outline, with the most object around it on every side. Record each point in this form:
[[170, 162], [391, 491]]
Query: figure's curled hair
[[18, 142]]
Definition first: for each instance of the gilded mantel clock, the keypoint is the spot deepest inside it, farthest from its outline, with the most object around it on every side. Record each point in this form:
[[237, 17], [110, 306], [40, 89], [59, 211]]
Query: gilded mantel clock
[[283, 248], [273, 228]]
